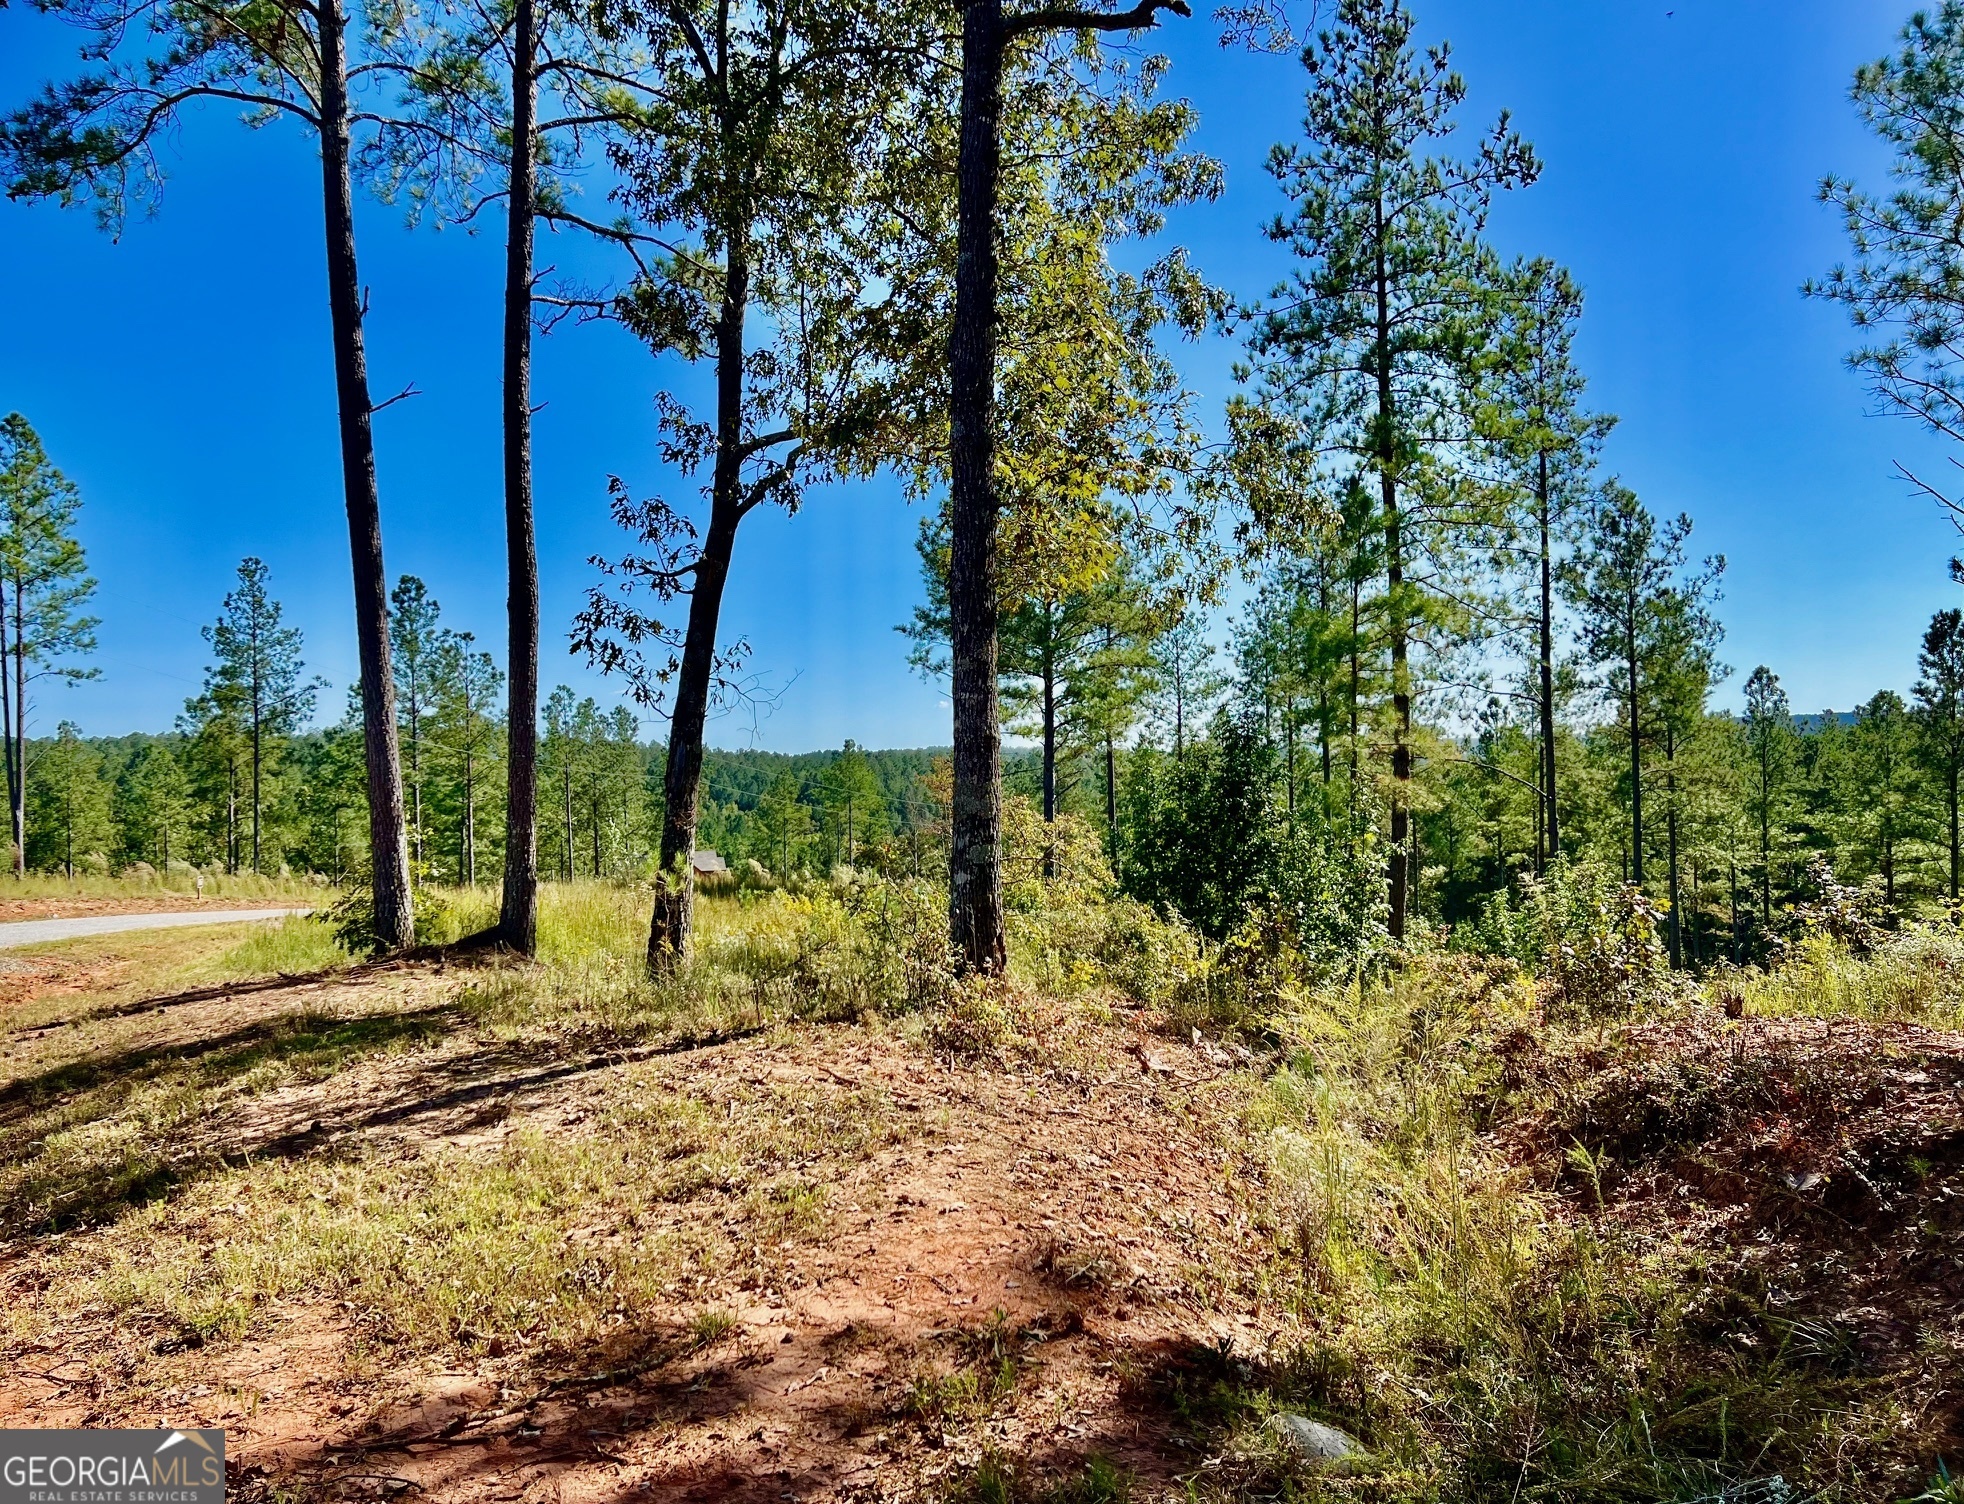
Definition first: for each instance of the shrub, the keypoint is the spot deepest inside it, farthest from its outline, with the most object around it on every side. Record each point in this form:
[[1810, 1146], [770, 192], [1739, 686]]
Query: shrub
[[352, 918], [1591, 939]]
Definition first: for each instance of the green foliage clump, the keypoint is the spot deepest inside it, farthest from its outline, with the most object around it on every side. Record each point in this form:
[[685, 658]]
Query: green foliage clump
[[1591, 939], [351, 918]]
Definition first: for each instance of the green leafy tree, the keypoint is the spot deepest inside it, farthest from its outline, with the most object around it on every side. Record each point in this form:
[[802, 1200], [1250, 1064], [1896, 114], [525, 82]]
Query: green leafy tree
[[416, 641], [45, 589], [1366, 351], [1904, 287], [504, 105], [992, 36], [69, 800], [258, 679], [855, 807], [1202, 841], [1637, 607], [754, 171], [215, 751], [332, 802], [1681, 668], [94, 137], [1187, 681], [560, 770], [465, 736], [1884, 765], [1770, 757], [152, 807], [1940, 718], [785, 822], [1531, 406]]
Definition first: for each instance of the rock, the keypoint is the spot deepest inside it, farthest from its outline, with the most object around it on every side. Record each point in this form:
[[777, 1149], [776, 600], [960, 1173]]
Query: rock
[[1313, 1441]]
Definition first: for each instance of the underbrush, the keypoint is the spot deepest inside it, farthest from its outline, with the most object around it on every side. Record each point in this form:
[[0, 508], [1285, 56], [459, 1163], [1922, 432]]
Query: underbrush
[[295, 946], [854, 949], [1915, 976], [1475, 1313], [1523, 1232]]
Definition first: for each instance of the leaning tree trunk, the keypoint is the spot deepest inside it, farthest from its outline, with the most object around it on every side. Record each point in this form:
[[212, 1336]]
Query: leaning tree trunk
[[395, 924], [975, 914], [518, 917], [675, 894]]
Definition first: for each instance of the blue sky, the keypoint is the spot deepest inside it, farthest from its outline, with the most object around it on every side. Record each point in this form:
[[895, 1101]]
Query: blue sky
[[181, 374]]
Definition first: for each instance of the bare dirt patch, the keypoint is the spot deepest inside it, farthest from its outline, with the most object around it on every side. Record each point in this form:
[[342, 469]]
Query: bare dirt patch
[[1004, 1267]]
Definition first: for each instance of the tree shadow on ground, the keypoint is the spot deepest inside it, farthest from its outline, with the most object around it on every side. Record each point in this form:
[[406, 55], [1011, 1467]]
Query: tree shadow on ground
[[83, 1142]]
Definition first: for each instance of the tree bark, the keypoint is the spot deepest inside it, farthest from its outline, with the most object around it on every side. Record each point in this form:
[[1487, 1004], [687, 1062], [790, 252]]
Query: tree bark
[[975, 913], [1111, 800], [257, 732], [1954, 833], [518, 915], [1049, 758], [1671, 843], [1636, 747], [1551, 846], [19, 692], [674, 910], [14, 779], [395, 924], [1401, 689]]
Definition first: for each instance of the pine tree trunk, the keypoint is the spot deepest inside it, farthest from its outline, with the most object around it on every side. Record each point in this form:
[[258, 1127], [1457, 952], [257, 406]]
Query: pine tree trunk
[[14, 779], [1671, 842], [1401, 688], [1551, 845], [1111, 801], [673, 919], [1736, 952], [1049, 763], [975, 914], [518, 914], [1289, 736], [19, 689], [470, 823], [256, 748], [395, 926], [1636, 749], [1955, 851]]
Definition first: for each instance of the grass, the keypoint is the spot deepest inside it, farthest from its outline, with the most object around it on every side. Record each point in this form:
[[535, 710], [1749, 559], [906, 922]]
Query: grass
[[1483, 1335], [54, 886], [1915, 977], [557, 1243], [554, 1242], [1458, 1296]]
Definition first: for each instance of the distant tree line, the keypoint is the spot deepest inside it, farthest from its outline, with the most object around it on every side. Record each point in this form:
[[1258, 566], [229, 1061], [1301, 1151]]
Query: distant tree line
[[1469, 653]]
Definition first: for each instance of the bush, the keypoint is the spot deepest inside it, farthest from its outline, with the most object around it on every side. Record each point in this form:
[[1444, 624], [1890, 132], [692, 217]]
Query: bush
[[1591, 939], [352, 918]]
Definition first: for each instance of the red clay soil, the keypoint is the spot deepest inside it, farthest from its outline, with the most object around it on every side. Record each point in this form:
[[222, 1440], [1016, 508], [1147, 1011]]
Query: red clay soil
[[1821, 1166], [1055, 1218]]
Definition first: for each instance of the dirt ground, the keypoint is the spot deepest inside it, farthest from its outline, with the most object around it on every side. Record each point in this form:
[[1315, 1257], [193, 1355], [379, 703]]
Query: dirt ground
[[1018, 1270], [1039, 1259]]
